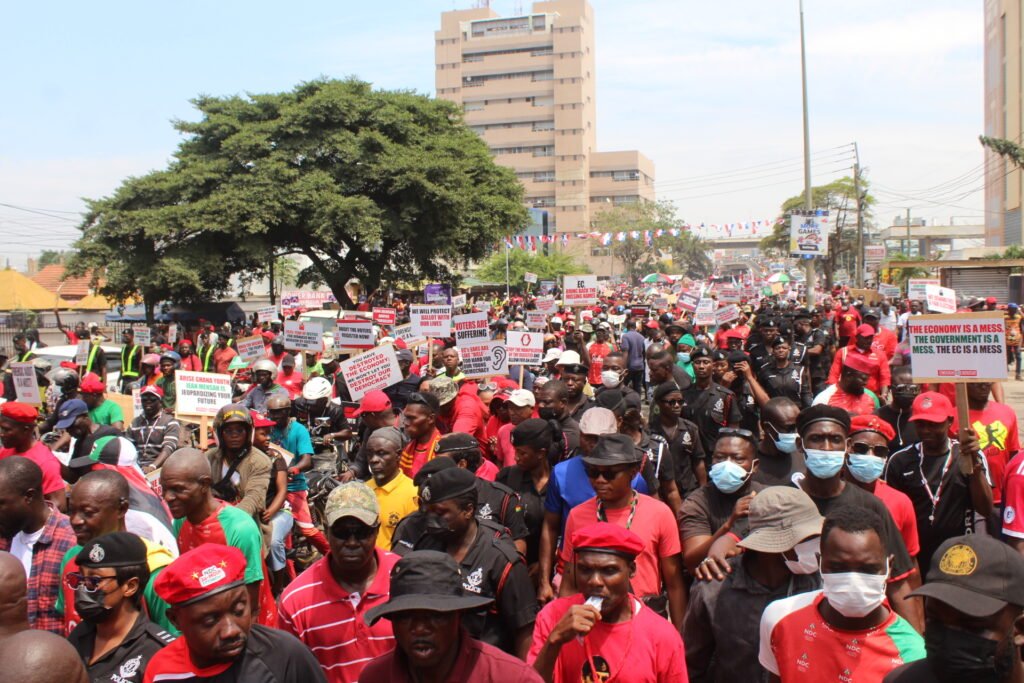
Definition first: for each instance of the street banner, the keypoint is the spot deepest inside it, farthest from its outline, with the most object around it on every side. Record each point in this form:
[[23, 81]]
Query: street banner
[[372, 370], [916, 287], [353, 334], [172, 334], [729, 295], [483, 359], [26, 388], [405, 333], [143, 335], [251, 349], [726, 314], [705, 314], [385, 316], [265, 314], [889, 291], [431, 321], [201, 393], [530, 277], [808, 234], [459, 301], [537, 320], [525, 348], [303, 336], [960, 347], [292, 300], [579, 290], [940, 299], [437, 294], [471, 327], [82, 353], [545, 304], [688, 302]]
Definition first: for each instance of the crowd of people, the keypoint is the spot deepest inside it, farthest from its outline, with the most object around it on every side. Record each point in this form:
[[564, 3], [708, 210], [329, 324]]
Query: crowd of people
[[771, 499]]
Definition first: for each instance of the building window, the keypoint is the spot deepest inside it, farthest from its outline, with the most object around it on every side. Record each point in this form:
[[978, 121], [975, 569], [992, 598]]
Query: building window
[[543, 101], [600, 251], [473, 106], [544, 177], [544, 125], [538, 22]]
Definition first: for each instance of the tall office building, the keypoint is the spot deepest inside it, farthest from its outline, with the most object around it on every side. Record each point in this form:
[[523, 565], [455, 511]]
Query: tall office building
[[527, 86], [1004, 118]]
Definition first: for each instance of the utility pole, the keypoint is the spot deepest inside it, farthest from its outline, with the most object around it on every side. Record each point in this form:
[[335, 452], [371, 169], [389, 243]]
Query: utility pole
[[908, 233], [860, 219], [808, 195]]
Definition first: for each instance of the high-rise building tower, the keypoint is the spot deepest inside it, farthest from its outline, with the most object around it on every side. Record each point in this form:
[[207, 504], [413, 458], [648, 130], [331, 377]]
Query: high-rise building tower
[[527, 86]]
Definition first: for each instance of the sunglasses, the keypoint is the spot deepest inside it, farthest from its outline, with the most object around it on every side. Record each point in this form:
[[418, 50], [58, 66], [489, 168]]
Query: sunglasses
[[608, 474], [360, 533], [90, 583], [906, 388], [861, 448]]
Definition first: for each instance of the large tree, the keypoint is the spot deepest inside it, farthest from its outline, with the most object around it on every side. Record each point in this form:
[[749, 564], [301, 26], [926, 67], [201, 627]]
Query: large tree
[[368, 184]]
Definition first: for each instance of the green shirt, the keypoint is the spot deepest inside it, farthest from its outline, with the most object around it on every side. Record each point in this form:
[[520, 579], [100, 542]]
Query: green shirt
[[106, 413]]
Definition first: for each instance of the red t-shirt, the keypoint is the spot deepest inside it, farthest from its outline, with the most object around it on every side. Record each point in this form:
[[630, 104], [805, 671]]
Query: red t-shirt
[[996, 427], [47, 461], [645, 648], [487, 470], [653, 522], [902, 511], [292, 383], [597, 353], [847, 322], [1013, 498]]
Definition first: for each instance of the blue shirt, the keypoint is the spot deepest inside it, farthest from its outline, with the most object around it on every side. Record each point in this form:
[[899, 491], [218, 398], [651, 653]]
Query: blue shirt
[[633, 344], [569, 486], [295, 439]]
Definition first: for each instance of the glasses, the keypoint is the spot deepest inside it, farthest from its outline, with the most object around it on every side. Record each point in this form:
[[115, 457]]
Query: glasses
[[861, 448], [906, 388], [90, 583], [672, 401], [606, 474], [360, 533]]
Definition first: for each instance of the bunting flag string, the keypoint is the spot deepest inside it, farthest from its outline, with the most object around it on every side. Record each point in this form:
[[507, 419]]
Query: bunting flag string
[[715, 230]]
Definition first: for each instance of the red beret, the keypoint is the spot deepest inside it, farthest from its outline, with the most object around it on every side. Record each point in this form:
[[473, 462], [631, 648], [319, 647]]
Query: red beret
[[91, 384], [734, 333], [604, 537], [201, 572], [20, 412], [68, 364], [866, 330], [872, 423], [861, 362]]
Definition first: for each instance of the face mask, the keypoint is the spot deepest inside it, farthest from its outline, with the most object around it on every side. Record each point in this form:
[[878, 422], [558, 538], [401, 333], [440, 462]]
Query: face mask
[[90, 605], [786, 443], [853, 594], [865, 468], [727, 476], [546, 413], [684, 357], [807, 554], [964, 656], [824, 464], [435, 526], [610, 378]]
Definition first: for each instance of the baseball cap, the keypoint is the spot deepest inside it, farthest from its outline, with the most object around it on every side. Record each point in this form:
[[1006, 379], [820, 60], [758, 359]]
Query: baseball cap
[[613, 449], [870, 313], [975, 574], [403, 355], [991, 300], [605, 537], [151, 389], [259, 421], [931, 406], [373, 402], [780, 517], [522, 398], [107, 450], [866, 330], [569, 358], [210, 569], [352, 499], [598, 421], [554, 353], [69, 412]]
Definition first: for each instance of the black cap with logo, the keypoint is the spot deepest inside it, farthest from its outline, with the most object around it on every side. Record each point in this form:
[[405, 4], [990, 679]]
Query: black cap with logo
[[976, 575]]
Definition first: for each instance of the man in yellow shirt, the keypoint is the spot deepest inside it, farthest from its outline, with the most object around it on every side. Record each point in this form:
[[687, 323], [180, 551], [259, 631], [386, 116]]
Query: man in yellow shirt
[[396, 494]]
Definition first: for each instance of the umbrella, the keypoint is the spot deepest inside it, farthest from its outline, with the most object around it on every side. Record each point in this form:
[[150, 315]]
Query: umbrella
[[656, 277], [779, 277]]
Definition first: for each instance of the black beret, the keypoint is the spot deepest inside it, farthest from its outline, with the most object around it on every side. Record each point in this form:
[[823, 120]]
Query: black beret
[[664, 389], [613, 400], [738, 357], [529, 432], [819, 413], [449, 483], [431, 467], [700, 352], [456, 441], [119, 549]]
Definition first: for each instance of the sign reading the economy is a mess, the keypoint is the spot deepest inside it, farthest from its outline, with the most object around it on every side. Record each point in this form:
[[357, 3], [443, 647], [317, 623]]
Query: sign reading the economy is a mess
[[579, 290], [353, 334], [251, 349], [303, 336], [143, 335], [808, 234], [384, 316], [201, 393], [405, 333], [525, 348], [727, 314], [705, 314], [26, 388], [371, 371], [471, 327], [916, 288], [961, 347], [431, 321], [940, 299], [484, 359]]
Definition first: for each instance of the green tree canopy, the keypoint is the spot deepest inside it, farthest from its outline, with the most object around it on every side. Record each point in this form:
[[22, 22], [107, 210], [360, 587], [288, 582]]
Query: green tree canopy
[[368, 184], [48, 257], [550, 267]]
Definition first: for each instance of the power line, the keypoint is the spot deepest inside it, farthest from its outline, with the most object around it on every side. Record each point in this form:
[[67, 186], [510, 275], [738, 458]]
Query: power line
[[787, 171], [748, 170], [41, 213]]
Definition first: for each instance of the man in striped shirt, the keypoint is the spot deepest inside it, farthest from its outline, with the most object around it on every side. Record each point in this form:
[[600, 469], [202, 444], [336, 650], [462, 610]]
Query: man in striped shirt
[[155, 433], [325, 606]]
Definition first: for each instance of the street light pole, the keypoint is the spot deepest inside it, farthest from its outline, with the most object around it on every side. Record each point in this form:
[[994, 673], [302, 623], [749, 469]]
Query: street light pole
[[860, 219], [808, 195]]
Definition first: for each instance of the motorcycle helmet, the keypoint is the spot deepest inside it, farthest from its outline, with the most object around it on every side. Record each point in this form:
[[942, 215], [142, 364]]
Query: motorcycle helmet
[[316, 388]]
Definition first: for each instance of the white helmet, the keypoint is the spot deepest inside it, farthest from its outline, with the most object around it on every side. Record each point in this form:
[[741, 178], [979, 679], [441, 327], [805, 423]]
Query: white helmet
[[265, 365], [317, 387]]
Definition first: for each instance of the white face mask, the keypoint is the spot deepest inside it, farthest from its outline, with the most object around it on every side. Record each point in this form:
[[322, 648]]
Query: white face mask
[[853, 594], [610, 378], [807, 553]]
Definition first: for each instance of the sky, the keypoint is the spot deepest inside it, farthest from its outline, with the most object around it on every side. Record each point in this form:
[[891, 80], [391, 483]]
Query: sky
[[709, 90]]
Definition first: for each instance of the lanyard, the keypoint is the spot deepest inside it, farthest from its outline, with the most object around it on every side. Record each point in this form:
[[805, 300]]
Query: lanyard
[[934, 497], [594, 674], [603, 517]]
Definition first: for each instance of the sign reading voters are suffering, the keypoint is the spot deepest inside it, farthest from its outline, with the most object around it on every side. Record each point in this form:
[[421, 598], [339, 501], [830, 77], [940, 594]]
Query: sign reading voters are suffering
[[959, 347], [484, 359], [579, 290], [143, 335], [727, 314], [303, 336], [251, 349], [471, 327], [705, 314], [808, 234], [82, 352], [459, 301], [431, 321], [265, 314], [353, 334], [371, 371], [889, 291], [530, 277], [916, 288], [940, 299], [201, 393], [525, 348], [26, 388], [545, 304], [537, 320], [384, 316], [405, 333]]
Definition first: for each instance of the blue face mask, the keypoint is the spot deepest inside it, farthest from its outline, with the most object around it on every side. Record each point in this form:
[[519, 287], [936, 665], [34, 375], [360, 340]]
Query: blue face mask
[[824, 464], [865, 468], [727, 476], [786, 443], [684, 356]]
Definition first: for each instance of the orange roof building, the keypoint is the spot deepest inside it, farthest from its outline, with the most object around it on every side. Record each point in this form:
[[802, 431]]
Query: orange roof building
[[71, 290]]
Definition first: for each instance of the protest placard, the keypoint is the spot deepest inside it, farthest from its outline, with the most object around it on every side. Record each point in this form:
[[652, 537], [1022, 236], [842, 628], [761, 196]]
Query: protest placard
[[265, 314], [201, 393], [483, 359], [579, 290], [470, 327], [940, 299], [545, 304], [729, 295], [727, 314], [371, 371], [482, 306], [82, 353], [384, 316], [143, 335], [660, 302], [688, 302], [889, 291], [459, 301], [525, 348], [705, 314], [292, 300], [537, 320], [172, 334], [437, 294], [959, 347], [303, 336], [431, 321], [405, 333], [251, 349], [530, 277], [916, 287], [26, 388], [353, 334], [617, 319]]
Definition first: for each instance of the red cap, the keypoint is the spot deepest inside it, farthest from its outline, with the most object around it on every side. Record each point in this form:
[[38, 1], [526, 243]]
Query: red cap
[[373, 402], [931, 406], [400, 344], [68, 364], [151, 389], [185, 342], [19, 412], [990, 300], [734, 333], [872, 423], [861, 362], [91, 384], [866, 330], [259, 420], [268, 336], [604, 537], [652, 325], [201, 572]]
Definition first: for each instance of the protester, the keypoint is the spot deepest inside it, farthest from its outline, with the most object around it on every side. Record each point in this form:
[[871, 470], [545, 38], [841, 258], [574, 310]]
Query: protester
[[39, 657], [154, 432], [240, 474], [708, 405], [685, 449], [17, 433], [102, 410], [13, 596], [421, 412], [533, 441], [131, 360], [873, 363], [553, 403], [778, 457], [897, 412], [573, 373], [264, 374], [995, 424], [395, 493], [851, 393]]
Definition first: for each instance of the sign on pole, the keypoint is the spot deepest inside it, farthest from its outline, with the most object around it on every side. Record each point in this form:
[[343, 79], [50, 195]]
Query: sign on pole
[[483, 359], [303, 336], [524, 348], [385, 316], [405, 333], [537, 320], [437, 294], [201, 393], [961, 347], [889, 291], [727, 314], [82, 353], [265, 314], [251, 349], [916, 287], [26, 388], [143, 335], [729, 295], [530, 277], [808, 234], [371, 371], [545, 304], [579, 290], [353, 334], [688, 302], [940, 299], [705, 314], [172, 333], [431, 321], [471, 327]]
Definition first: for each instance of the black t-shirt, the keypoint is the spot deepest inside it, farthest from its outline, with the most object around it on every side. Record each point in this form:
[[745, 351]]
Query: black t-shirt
[[710, 409], [778, 470], [788, 382], [707, 509], [899, 420], [912, 672], [144, 640], [532, 501], [687, 452]]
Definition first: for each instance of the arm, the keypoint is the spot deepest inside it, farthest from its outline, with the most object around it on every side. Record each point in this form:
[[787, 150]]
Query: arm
[[522, 644], [695, 548], [806, 397], [577, 621], [837, 365], [172, 437], [254, 497], [977, 481], [670, 496], [760, 395], [672, 577], [548, 542], [281, 494], [910, 609]]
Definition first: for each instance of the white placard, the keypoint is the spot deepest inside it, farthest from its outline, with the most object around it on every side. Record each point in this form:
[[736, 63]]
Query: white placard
[[353, 334], [940, 299], [431, 320], [303, 336], [729, 295], [579, 290], [458, 300], [617, 319], [82, 353], [962, 347], [545, 303], [201, 393], [251, 349], [371, 371], [172, 333], [137, 400], [889, 291], [688, 302], [265, 314], [525, 348], [482, 306], [471, 327], [405, 333], [727, 314], [537, 320], [26, 387], [143, 335], [705, 314], [916, 287], [484, 359], [530, 277]]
